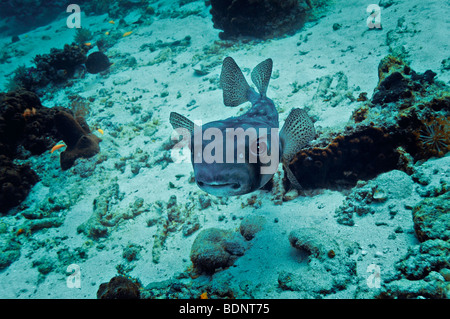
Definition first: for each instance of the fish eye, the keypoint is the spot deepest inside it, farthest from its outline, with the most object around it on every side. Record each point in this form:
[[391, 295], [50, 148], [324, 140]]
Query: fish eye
[[262, 147], [259, 146]]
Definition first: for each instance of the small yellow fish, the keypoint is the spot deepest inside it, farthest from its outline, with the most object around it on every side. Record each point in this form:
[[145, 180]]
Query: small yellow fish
[[88, 44], [107, 33], [57, 147], [100, 130], [127, 33], [111, 21], [204, 295]]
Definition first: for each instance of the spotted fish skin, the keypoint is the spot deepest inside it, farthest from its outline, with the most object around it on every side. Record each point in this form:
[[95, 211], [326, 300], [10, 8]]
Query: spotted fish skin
[[241, 174]]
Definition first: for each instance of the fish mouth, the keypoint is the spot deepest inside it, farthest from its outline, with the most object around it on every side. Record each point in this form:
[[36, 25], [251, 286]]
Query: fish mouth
[[216, 185]]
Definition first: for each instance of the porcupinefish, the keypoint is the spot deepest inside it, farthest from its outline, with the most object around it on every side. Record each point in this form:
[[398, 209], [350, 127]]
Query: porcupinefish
[[239, 155]]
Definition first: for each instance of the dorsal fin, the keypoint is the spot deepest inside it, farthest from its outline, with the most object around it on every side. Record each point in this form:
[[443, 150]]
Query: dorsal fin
[[261, 75], [298, 130], [179, 121], [235, 87]]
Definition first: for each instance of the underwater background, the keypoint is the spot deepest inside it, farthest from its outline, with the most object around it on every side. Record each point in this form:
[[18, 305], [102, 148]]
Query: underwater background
[[93, 205]]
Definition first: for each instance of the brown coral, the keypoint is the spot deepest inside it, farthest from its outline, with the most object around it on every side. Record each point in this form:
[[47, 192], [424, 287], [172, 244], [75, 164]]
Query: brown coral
[[15, 183], [78, 138], [360, 154], [119, 287], [406, 118], [32, 130], [55, 67], [216, 248], [256, 18]]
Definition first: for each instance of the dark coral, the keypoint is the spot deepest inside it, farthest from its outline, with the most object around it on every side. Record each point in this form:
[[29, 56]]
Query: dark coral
[[357, 155], [408, 114], [55, 67], [420, 273], [28, 128], [66, 59], [97, 62], [24, 121], [397, 81], [119, 287], [15, 183], [81, 143], [256, 18]]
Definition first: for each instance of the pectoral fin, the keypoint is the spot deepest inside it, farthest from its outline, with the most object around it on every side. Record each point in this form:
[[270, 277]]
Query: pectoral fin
[[298, 130], [179, 121]]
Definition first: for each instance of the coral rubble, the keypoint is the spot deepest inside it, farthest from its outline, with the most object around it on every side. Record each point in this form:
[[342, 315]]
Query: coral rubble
[[432, 218], [56, 67], [216, 248], [30, 129], [184, 287], [330, 264], [420, 273], [366, 196], [171, 217], [15, 182], [24, 121], [104, 214], [424, 270]]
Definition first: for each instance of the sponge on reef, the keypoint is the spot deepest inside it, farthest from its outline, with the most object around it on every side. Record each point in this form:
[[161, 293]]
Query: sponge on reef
[[257, 18], [28, 128], [78, 138], [408, 115]]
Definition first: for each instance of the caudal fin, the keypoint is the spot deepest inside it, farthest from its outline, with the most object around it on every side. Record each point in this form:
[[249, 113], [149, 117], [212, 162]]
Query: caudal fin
[[261, 75], [235, 87], [298, 130]]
